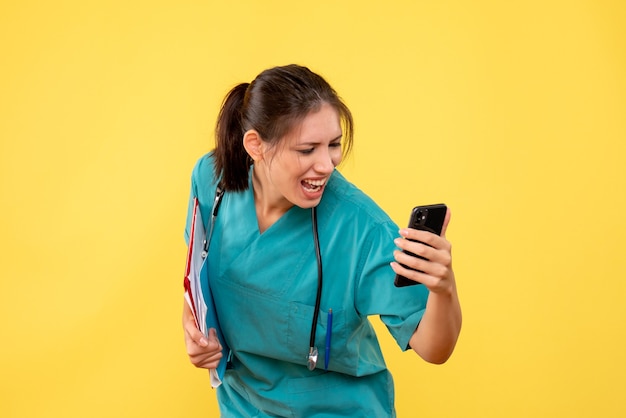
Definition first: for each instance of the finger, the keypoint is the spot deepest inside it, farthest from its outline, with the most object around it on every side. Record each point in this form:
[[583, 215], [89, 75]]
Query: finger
[[415, 263], [416, 276], [213, 340], [210, 344], [434, 248], [194, 350], [207, 362], [415, 247], [191, 328], [439, 256], [199, 354], [410, 260], [422, 237], [204, 359], [433, 284], [426, 259], [195, 335]]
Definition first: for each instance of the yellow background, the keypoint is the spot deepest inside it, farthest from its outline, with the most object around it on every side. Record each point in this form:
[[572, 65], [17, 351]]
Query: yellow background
[[513, 113]]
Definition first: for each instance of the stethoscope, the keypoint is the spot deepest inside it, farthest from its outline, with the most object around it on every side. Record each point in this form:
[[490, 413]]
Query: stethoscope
[[313, 353]]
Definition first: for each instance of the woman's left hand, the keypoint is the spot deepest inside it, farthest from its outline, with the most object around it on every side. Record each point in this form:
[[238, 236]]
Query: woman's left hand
[[439, 328], [436, 266]]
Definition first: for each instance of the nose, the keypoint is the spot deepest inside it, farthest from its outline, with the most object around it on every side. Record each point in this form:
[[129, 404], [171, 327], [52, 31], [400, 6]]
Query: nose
[[324, 163]]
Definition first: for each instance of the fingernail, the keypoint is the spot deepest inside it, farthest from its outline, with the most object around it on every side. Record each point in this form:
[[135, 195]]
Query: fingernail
[[404, 232], [203, 342]]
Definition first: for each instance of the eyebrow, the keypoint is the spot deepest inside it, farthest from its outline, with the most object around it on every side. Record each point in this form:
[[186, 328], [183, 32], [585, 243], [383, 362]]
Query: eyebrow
[[337, 138]]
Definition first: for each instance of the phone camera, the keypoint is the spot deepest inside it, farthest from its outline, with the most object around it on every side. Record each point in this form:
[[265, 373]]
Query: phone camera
[[421, 216]]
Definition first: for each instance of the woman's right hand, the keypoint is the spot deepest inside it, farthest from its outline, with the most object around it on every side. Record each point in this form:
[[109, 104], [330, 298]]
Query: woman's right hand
[[204, 352]]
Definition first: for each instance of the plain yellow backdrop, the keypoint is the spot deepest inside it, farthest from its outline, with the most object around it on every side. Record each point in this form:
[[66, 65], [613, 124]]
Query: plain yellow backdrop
[[513, 113]]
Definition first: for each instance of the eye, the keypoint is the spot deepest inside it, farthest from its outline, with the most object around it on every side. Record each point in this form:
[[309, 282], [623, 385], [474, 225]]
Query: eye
[[306, 151], [335, 144]]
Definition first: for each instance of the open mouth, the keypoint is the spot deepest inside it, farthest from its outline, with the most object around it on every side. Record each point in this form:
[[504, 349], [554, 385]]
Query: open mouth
[[313, 186]]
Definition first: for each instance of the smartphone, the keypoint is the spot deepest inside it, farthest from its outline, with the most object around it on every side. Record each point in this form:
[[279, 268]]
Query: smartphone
[[427, 218]]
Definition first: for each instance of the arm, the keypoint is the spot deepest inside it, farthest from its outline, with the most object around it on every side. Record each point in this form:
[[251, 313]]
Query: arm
[[204, 352], [435, 337]]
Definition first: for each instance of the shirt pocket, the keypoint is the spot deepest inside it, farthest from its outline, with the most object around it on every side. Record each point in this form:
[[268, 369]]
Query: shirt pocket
[[299, 334]]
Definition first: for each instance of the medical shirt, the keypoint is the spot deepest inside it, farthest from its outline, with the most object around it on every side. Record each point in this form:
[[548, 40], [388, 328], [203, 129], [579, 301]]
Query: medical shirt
[[265, 285]]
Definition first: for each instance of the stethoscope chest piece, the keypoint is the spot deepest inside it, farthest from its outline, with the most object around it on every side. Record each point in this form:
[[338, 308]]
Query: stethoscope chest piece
[[312, 358]]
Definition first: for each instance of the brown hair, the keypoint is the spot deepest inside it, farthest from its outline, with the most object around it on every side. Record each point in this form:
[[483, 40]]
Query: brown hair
[[272, 104]]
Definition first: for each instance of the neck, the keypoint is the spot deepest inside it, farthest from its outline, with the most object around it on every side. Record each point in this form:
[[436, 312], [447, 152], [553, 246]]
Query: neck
[[269, 207]]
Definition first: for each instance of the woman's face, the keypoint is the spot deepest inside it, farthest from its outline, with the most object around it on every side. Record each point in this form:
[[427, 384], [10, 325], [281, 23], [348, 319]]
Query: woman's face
[[298, 168]]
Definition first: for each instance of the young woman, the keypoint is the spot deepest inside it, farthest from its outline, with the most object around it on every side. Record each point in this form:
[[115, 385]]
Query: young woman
[[293, 241]]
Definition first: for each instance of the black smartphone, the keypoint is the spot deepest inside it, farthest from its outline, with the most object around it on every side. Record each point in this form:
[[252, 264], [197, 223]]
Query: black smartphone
[[427, 218]]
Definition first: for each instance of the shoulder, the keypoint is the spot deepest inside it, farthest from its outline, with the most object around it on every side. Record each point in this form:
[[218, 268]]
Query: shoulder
[[203, 173], [344, 200], [203, 182], [203, 170]]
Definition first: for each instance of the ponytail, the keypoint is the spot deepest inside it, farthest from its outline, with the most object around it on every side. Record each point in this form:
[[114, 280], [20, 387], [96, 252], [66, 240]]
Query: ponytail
[[232, 162]]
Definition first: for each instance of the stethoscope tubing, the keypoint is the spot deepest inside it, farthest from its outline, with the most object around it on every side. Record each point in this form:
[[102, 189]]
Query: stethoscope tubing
[[312, 356], [318, 298]]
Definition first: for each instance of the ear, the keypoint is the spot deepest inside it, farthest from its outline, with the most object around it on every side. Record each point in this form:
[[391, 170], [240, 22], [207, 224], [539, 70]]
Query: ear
[[253, 144]]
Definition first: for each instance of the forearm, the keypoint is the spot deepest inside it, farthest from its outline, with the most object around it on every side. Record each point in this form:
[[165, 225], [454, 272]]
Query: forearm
[[436, 336]]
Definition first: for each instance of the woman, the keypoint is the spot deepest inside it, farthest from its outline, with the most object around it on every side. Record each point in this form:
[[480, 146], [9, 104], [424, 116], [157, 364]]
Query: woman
[[279, 140]]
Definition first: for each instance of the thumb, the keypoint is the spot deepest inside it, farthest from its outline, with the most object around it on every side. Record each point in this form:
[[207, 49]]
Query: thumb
[[213, 337], [201, 340], [191, 328]]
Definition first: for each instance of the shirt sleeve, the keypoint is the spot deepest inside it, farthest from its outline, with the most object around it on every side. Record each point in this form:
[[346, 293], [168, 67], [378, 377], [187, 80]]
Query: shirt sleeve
[[192, 195], [201, 186], [400, 308]]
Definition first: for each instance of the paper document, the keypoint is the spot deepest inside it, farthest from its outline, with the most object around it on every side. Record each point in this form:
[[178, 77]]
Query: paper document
[[198, 291]]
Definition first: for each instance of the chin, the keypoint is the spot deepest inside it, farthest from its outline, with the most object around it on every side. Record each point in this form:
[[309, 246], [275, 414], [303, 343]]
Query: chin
[[308, 203]]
